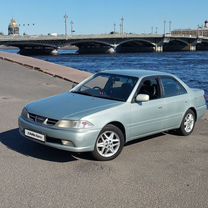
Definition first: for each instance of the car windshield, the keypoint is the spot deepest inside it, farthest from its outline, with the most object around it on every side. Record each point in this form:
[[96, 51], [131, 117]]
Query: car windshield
[[108, 86]]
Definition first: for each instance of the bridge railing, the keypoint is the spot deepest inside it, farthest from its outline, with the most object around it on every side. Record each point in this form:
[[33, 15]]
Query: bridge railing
[[63, 37], [92, 36]]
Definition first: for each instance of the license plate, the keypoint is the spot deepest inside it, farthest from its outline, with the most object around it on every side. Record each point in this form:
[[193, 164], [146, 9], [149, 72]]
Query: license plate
[[35, 135]]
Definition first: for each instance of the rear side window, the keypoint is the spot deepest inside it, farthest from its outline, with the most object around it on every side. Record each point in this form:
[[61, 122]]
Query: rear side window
[[172, 87]]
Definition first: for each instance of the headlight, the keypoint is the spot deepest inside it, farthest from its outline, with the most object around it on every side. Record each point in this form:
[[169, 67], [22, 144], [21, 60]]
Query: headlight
[[24, 113], [74, 124]]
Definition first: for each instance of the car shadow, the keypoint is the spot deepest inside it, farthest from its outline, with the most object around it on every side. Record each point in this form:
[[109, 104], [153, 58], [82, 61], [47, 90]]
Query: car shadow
[[14, 141], [145, 138], [88, 156]]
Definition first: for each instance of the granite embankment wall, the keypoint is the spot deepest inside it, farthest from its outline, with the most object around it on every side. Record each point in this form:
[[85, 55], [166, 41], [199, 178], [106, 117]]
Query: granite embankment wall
[[66, 73]]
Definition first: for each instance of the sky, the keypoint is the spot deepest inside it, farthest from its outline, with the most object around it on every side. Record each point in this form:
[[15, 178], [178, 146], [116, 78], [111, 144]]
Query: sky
[[99, 16]]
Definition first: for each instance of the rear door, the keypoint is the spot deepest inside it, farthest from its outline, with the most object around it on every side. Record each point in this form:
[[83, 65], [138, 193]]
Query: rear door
[[175, 101]]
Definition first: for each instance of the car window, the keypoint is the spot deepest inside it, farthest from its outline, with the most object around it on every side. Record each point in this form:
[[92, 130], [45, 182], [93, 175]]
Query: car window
[[172, 87], [150, 86], [109, 86]]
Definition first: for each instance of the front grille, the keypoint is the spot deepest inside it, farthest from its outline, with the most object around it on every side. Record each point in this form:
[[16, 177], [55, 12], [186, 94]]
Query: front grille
[[51, 121], [42, 120], [32, 116]]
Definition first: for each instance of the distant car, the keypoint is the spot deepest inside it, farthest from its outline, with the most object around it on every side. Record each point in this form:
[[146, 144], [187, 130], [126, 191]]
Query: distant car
[[111, 108]]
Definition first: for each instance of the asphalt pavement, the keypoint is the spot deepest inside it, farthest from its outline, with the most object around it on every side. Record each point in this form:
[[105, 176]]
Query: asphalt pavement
[[161, 171]]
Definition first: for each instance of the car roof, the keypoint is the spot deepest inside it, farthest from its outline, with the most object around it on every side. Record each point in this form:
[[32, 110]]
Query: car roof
[[136, 72]]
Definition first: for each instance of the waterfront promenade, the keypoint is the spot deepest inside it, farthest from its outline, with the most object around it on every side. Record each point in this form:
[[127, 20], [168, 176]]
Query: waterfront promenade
[[55, 70], [162, 171]]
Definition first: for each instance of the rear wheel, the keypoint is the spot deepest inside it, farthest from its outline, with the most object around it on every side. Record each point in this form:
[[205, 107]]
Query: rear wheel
[[188, 123], [109, 143]]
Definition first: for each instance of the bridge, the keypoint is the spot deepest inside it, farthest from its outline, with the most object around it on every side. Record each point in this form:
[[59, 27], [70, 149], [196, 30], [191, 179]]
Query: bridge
[[109, 43]]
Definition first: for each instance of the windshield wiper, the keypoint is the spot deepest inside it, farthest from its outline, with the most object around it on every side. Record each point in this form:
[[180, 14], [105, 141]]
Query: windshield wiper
[[104, 97], [81, 93], [112, 98]]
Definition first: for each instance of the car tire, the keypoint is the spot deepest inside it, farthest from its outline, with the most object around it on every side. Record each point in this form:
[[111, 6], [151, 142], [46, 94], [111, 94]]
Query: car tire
[[109, 143], [188, 123]]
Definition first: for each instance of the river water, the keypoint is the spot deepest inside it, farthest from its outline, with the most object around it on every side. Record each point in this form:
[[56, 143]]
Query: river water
[[191, 67]]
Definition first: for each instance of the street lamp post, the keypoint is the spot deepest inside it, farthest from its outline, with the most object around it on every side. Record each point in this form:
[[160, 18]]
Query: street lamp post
[[28, 28], [122, 25], [164, 22], [65, 23], [72, 29], [197, 30], [152, 30], [170, 26], [114, 28], [156, 30]]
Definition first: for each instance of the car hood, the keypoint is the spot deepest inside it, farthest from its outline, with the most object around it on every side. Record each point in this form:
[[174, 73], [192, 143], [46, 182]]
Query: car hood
[[70, 106]]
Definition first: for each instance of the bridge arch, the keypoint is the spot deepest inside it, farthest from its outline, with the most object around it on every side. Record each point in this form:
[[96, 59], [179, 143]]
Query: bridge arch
[[176, 45], [34, 48], [137, 40], [203, 46], [93, 46], [135, 45], [79, 42]]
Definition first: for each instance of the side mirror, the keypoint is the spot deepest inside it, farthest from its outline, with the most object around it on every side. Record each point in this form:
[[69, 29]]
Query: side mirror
[[142, 98]]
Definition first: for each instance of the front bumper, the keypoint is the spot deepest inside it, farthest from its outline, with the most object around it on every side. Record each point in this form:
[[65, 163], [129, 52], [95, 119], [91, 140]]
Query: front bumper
[[82, 140]]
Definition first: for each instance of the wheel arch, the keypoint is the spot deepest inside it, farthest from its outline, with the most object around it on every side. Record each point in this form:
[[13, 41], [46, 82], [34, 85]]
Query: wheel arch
[[120, 126], [195, 112]]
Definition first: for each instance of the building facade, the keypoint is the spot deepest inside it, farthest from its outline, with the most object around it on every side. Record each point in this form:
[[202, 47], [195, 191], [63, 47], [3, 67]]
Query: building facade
[[200, 31]]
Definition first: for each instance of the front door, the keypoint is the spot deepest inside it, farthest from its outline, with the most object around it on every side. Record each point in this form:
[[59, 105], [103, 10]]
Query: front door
[[147, 117]]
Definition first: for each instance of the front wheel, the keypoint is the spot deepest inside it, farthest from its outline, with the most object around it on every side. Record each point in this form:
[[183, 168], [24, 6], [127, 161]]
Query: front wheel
[[109, 143], [188, 123]]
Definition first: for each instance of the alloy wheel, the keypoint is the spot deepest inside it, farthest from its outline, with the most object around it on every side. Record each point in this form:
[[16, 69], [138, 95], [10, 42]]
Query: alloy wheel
[[189, 122], [108, 144]]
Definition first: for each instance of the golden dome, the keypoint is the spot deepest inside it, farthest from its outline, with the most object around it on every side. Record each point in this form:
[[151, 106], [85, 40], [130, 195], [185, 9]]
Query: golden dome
[[13, 28], [13, 23]]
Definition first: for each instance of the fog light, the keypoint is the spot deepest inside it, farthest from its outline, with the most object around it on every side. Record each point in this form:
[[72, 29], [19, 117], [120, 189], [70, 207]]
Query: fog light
[[66, 142]]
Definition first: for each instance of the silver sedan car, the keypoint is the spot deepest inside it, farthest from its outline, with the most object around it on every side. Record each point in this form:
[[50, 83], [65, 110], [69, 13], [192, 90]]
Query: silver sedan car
[[111, 108]]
